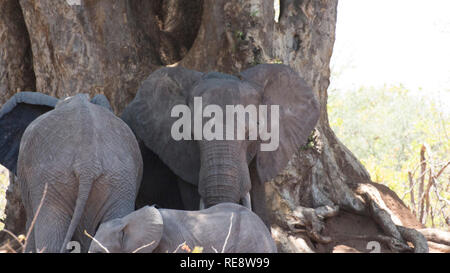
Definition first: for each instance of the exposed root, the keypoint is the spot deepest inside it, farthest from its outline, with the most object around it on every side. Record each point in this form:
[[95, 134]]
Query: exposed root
[[416, 238], [384, 220], [392, 243], [312, 221]]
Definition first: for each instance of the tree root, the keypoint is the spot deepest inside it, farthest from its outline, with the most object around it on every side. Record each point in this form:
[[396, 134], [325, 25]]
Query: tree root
[[383, 218], [392, 243], [416, 238], [395, 237], [312, 221]]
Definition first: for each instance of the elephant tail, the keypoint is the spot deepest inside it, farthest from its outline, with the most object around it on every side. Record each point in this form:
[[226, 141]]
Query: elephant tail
[[84, 188]]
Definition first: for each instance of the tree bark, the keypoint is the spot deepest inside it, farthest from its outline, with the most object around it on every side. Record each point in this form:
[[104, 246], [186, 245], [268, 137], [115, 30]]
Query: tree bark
[[15, 221], [16, 74], [109, 48]]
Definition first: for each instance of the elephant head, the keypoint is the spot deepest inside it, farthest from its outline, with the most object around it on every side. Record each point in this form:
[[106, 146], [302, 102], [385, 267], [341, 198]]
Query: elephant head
[[139, 231], [219, 167]]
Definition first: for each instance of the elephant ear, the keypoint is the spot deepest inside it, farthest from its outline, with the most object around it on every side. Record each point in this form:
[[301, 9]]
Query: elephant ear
[[15, 116], [149, 116], [101, 100], [143, 230], [298, 113]]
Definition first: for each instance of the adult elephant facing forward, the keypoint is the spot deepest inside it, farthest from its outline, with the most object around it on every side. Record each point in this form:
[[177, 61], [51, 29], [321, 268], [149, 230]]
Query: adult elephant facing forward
[[220, 168]]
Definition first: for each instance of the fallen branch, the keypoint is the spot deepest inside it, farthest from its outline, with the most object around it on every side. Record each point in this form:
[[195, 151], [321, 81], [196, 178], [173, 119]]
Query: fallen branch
[[436, 235], [439, 247]]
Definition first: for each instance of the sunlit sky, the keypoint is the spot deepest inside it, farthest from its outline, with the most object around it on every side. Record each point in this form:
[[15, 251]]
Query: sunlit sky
[[393, 42]]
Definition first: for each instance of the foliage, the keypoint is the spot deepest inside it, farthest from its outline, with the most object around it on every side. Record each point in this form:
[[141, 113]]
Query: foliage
[[4, 181], [386, 129]]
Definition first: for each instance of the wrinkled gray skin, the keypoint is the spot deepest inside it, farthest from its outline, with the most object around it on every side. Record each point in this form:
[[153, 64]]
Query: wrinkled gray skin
[[90, 160], [164, 230], [223, 170]]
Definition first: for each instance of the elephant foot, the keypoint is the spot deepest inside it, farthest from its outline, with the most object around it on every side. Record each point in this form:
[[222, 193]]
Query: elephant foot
[[312, 221]]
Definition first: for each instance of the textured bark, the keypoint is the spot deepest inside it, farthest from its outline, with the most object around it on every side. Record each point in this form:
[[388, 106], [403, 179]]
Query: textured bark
[[103, 47], [16, 218], [245, 34], [324, 172], [16, 73], [100, 47]]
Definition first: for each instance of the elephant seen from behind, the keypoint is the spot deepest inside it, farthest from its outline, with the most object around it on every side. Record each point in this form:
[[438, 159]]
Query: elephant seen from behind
[[87, 158]]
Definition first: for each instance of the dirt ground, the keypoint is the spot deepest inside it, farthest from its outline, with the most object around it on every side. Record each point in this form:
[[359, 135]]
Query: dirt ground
[[346, 225]]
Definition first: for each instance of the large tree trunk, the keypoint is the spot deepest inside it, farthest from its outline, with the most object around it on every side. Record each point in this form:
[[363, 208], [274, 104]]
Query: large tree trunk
[[104, 47], [16, 71], [16, 74]]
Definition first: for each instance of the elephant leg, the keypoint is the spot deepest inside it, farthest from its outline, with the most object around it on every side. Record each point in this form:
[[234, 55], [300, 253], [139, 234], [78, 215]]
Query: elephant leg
[[50, 229], [258, 196], [258, 202]]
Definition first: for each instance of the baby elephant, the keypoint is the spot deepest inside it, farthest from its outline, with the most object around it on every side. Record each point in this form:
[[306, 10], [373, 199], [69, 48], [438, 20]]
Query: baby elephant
[[223, 228]]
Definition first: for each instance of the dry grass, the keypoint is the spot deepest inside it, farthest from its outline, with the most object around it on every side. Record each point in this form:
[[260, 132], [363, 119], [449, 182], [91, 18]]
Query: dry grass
[[11, 246]]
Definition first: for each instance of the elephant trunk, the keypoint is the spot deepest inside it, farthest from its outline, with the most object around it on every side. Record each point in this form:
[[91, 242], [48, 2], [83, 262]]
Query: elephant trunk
[[219, 173]]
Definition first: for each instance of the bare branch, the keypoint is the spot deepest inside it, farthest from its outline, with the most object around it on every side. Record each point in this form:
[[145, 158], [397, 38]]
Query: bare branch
[[142, 247], [178, 247], [96, 241], [14, 236]]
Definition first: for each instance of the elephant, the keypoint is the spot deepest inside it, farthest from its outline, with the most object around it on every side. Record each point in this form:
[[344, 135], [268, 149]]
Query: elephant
[[77, 164], [218, 170], [223, 228]]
